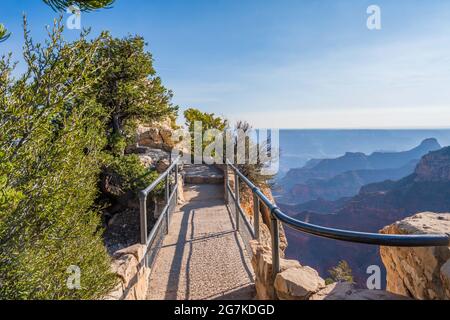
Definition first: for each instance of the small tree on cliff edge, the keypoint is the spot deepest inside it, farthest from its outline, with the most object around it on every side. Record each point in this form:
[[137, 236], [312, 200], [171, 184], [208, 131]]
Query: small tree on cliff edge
[[208, 120], [129, 89], [341, 273]]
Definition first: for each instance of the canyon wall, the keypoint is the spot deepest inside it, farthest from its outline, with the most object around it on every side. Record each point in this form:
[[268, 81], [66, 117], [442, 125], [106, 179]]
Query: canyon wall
[[420, 273], [128, 264]]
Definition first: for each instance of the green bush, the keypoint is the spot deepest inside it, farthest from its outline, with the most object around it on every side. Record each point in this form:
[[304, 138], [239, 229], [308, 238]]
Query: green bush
[[61, 123], [340, 273], [129, 89], [51, 137], [131, 174]]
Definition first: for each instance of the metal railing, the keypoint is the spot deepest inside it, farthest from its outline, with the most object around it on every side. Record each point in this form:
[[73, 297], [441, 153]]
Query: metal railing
[[278, 216], [154, 239]]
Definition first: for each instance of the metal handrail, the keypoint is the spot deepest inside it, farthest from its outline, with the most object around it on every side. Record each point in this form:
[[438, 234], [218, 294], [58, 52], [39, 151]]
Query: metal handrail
[[331, 233], [148, 239]]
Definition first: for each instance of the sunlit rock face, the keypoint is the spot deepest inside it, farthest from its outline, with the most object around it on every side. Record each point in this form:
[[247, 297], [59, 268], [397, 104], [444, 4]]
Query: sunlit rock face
[[420, 273]]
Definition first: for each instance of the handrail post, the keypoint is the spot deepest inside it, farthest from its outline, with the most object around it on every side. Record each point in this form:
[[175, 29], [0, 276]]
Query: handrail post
[[167, 202], [275, 247], [143, 214], [176, 182], [227, 183], [256, 215], [236, 193]]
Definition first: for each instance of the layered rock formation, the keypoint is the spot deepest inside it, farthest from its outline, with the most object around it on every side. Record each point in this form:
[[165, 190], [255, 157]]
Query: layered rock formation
[[421, 273]]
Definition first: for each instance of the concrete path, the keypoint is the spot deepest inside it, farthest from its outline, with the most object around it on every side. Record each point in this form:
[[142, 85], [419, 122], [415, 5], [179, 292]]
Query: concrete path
[[202, 257]]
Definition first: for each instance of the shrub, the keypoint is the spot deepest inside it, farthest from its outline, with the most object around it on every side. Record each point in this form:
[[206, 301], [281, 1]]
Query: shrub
[[341, 273], [209, 121], [129, 89], [51, 137], [130, 174], [252, 167]]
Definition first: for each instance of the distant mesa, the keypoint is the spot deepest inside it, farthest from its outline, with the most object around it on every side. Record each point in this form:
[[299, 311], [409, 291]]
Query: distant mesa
[[380, 204], [332, 179]]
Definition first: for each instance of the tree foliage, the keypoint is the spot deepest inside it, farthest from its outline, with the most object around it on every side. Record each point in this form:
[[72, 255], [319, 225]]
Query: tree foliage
[[59, 5], [208, 121], [51, 137], [130, 91], [340, 273], [84, 5], [4, 34], [255, 154]]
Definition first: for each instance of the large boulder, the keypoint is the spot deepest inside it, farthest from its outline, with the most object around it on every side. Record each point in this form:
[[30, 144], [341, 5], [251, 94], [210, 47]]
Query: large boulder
[[421, 273], [298, 283], [156, 135], [128, 264], [262, 266]]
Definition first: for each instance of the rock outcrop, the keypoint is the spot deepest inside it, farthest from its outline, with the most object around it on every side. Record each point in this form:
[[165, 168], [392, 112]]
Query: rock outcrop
[[293, 283], [434, 167], [265, 225], [420, 273], [297, 282], [153, 145], [128, 264], [156, 135]]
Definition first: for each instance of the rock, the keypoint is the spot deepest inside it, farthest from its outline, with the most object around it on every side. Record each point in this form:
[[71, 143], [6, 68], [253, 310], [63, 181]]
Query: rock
[[166, 136], [298, 283], [420, 273], [434, 167], [116, 294], [347, 291], [125, 266], [162, 165], [146, 161], [262, 266], [149, 137], [129, 266], [445, 277], [156, 135]]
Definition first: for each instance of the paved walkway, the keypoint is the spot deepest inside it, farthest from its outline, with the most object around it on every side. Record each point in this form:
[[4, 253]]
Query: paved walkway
[[202, 257]]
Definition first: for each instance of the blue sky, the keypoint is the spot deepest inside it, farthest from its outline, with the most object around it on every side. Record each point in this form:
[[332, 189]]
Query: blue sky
[[285, 63]]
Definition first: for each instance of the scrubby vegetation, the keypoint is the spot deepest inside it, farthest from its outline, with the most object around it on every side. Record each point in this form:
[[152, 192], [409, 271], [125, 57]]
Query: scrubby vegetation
[[209, 123], [57, 135], [340, 273]]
